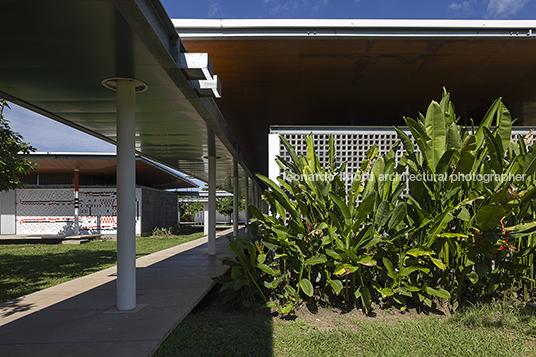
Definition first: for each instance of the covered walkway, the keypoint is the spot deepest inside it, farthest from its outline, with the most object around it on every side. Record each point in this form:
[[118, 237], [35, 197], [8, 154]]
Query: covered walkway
[[79, 318]]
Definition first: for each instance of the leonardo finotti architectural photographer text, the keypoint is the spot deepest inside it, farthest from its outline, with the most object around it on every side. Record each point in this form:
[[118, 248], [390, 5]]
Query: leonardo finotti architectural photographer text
[[486, 178]]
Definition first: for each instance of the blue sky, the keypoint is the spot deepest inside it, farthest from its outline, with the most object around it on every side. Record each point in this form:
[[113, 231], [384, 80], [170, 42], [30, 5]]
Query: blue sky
[[47, 135], [354, 9]]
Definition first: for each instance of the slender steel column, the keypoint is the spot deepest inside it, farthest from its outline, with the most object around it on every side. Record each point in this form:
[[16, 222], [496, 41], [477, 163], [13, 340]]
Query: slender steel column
[[236, 198], [212, 205], [126, 195], [211, 192]]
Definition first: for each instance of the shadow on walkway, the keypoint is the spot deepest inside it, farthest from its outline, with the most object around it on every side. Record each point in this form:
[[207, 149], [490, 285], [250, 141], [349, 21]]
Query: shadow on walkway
[[79, 317]]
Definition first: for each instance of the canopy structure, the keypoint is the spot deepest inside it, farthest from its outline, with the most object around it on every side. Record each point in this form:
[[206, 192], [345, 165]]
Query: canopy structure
[[116, 69], [361, 72], [56, 54]]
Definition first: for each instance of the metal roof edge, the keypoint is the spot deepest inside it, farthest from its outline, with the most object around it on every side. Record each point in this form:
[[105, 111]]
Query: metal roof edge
[[349, 23], [200, 29]]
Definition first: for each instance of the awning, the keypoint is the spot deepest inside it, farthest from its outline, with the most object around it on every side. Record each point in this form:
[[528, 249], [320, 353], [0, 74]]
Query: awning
[[55, 54]]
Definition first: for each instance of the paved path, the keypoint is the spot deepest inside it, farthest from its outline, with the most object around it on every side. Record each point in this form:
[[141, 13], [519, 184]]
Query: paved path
[[78, 318]]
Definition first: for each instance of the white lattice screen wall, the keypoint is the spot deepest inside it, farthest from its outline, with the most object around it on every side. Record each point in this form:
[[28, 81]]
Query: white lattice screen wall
[[351, 144], [51, 211]]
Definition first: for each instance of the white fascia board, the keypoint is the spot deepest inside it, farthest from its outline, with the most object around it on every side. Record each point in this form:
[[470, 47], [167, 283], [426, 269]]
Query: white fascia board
[[285, 28], [348, 23]]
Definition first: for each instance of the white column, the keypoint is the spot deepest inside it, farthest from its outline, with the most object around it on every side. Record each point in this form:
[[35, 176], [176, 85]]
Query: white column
[[246, 200], [126, 195], [205, 218], [273, 153], [236, 197], [212, 205]]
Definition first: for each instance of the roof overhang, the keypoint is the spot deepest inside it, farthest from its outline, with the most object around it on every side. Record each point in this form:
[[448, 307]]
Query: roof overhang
[[148, 173], [361, 72], [55, 54]]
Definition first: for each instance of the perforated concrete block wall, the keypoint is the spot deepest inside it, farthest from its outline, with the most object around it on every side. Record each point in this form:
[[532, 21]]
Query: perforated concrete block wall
[[351, 144]]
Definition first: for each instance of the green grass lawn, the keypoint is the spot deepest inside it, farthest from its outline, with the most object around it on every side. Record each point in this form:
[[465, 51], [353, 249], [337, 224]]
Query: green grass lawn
[[214, 329], [26, 268]]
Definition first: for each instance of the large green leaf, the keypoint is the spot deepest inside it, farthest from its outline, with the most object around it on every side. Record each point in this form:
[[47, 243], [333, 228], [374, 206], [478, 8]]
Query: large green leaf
[[381, 216], [265, 268], [473, 277], [441, 293], [406, 141], [438, 263], [530, 161], [434, 124], [487, 121], [489, 216], [317, 259], [281, 196], [311, 155], [364, 293], [504, 128], [420, 251], [453, 137], [440, 223], [413, 268], [445, 162], [343, 208], [306, 287], [521, 230], [336, 285], [389, 268], [397, 216], [419, 135], [290, 150]]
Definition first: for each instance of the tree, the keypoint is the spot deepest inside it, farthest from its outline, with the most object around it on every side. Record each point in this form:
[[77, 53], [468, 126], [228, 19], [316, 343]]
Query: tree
[[13, 147], [224, 205], [190, 207]]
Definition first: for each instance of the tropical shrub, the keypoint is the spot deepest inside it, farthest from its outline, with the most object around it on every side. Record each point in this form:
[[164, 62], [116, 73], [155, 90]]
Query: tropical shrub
[[429, 227], [12, 163]]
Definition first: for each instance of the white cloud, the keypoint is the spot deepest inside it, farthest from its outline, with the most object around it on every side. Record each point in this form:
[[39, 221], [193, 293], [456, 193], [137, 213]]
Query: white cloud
[[215, 10], [285, 6], [466, 7], [319, 4], [505, 8]]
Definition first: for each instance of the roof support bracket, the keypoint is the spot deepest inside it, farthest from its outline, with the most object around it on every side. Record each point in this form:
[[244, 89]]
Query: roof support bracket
[[207, 88], [196, 66]]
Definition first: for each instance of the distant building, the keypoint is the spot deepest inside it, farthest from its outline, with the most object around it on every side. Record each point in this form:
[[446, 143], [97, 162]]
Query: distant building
[[202, 196], [47, 203]]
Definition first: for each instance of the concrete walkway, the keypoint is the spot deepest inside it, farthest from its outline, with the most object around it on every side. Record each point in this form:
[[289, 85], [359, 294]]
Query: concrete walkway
[[78, 318]]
